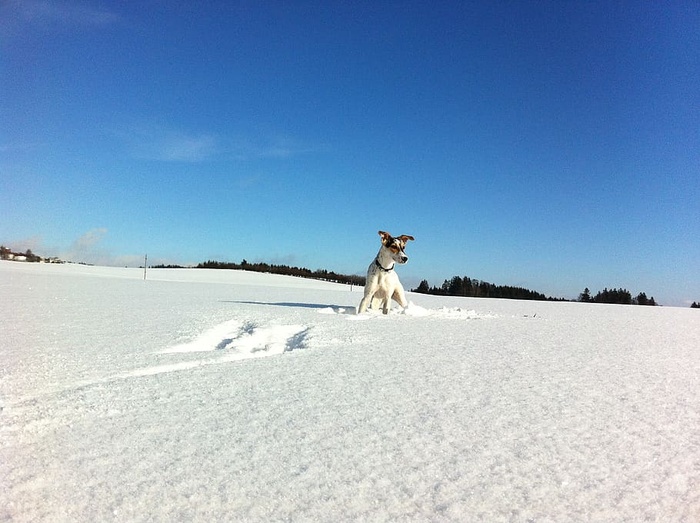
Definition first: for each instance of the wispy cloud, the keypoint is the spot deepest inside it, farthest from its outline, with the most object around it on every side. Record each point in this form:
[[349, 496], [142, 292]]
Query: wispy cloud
[[187, 148], [86, 248], [148, 141], [89, 248], [66, 13], [88, 240], [16, 16], [34, 243], [161, 142], [272, 146], [18, 147], [177, 147]]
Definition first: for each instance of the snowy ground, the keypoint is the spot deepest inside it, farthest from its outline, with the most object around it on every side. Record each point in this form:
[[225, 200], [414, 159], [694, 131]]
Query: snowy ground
[[219, 395]]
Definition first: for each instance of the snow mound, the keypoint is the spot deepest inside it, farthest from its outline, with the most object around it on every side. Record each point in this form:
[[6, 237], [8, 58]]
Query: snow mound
[[415, 311], [458, 313], [452, 313], [332, 310]]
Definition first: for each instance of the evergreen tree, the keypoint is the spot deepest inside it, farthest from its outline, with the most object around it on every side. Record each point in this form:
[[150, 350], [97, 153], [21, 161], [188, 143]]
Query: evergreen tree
[[642, 299], [455, 286], [585, 296], [621, 296], [423, 287]]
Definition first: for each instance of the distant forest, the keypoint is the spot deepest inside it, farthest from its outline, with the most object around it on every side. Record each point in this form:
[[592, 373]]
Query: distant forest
[[319, 274], [622, 296], [482, 289]]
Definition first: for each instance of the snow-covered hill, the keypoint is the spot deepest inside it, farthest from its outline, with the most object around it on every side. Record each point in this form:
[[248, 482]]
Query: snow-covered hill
[[221, 396]]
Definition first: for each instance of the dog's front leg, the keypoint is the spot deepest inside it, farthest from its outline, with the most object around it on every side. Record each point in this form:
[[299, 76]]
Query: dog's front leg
[[363, 304], [400, 297], [386, 301], [386, 306], [370, 290]]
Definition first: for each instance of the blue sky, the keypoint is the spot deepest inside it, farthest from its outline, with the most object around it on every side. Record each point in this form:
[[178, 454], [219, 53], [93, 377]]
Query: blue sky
[[551, 145]]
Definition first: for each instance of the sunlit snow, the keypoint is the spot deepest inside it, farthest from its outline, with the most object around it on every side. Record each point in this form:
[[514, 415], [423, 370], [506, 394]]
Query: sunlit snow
[[205, 395]]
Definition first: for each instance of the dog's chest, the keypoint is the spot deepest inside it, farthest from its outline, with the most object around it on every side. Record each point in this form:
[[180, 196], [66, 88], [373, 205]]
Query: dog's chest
[[383, 278]]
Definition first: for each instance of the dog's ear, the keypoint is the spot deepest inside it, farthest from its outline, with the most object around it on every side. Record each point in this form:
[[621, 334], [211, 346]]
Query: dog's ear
[[405, 237], [386, 237]]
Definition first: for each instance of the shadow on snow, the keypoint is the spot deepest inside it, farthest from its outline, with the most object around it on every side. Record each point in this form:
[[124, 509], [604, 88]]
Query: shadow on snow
[[348, 309]]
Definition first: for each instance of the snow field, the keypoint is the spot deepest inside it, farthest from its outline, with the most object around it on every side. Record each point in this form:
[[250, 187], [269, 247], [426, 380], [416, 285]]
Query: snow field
[[204, 395]]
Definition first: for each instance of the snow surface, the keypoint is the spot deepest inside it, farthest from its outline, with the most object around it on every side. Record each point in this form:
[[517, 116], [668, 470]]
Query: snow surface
[[210, 395]]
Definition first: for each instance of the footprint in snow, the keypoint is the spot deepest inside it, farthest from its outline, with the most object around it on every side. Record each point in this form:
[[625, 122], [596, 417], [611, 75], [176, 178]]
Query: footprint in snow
[[233, 341]]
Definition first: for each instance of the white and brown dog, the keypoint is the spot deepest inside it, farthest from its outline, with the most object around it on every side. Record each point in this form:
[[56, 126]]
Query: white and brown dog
[[382, 283]]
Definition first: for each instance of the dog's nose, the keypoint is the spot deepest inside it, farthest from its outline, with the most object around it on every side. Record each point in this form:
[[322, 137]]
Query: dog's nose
[[404, 258]]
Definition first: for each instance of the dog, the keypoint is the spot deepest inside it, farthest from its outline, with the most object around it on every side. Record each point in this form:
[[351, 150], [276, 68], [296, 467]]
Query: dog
[[383, 283]]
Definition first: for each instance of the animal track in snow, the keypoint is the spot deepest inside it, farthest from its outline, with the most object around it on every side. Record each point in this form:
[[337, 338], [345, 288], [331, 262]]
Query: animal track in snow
[[245, 339], [232, 341], [228, 341]]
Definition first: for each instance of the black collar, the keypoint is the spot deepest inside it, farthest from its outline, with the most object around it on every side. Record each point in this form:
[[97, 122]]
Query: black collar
[[376, 262]]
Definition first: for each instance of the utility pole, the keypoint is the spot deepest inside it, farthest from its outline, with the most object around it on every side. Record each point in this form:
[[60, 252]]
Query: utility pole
[[145, 266]]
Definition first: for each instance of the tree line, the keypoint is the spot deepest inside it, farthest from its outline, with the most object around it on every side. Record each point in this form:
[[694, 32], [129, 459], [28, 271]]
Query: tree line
[[303, 272], [620, 296], [473, 288]]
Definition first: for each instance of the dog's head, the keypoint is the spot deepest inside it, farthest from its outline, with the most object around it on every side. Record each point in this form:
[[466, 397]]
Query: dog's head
[[395, 246]]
